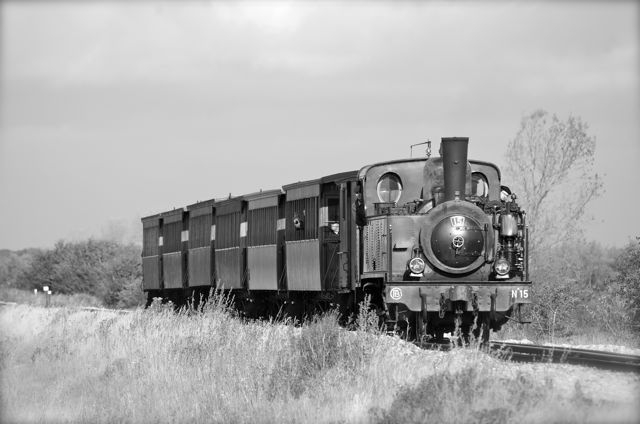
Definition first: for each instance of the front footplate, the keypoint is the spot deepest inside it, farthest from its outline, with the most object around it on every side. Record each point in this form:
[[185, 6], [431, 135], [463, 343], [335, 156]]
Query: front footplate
[[439, 297]]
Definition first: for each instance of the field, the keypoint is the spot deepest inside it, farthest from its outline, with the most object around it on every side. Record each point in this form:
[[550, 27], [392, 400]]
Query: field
[[62, 364]]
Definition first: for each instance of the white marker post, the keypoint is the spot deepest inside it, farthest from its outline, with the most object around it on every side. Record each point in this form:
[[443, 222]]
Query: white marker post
[[47, 295]]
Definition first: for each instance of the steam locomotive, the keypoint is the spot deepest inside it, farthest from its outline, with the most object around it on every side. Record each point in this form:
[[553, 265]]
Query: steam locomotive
[[433, 245]]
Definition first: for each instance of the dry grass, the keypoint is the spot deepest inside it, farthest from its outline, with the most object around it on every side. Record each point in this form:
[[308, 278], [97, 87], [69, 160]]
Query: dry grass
[[39, 299], [61, 365]]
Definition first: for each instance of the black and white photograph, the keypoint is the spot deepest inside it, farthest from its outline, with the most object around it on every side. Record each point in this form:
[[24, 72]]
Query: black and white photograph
[[279, 211]]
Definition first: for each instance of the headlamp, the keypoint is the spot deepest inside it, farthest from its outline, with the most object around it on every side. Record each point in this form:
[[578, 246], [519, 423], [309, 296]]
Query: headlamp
[[416, 265], [502, 266]]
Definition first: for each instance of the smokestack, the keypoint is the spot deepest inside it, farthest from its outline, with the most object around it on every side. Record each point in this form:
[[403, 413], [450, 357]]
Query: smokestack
[[454, 159]]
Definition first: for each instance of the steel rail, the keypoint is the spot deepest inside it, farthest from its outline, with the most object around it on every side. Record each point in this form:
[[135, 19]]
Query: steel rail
[[568, 355], [518, 352]]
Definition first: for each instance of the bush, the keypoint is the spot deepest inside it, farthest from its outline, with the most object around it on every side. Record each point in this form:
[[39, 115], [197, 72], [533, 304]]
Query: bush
[[105, 269], [628, 280], [472, 395], [616, 308], [586, 291]]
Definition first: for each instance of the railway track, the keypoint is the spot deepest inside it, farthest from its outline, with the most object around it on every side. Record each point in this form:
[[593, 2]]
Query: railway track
[[518, 352], [557, 354]]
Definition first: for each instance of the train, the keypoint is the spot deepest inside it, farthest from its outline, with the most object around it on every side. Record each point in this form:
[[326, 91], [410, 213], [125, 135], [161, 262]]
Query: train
[[433, 245]]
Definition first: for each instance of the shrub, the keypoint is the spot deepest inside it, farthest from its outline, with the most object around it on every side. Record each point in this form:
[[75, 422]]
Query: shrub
[[105, 269], [471, 395]]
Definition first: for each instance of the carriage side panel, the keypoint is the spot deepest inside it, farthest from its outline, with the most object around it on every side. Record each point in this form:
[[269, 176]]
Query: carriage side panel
[[230, 244], [151, 258], [302, 242], [200, 258], [174, 252], [262, 246]]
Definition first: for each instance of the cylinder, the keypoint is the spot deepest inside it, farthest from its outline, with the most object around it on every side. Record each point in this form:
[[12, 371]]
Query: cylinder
[[454, 160]]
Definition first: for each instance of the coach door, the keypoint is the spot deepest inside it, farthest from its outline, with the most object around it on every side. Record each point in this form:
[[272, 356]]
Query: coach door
[[302, 236], [330, 230], [347, 254], [336, 226]]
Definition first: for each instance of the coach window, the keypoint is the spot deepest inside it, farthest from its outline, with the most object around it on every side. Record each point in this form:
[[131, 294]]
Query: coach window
[[333, 212], [479, 185]]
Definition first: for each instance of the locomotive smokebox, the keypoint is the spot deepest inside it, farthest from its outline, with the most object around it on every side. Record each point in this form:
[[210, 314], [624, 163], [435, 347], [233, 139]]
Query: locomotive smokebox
[[454, 161]]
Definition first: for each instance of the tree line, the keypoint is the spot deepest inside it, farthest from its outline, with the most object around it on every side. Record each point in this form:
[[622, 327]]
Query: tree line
[[105, 269]]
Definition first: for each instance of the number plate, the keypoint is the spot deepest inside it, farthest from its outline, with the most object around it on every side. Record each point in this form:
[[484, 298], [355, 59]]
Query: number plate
[[521, 294]]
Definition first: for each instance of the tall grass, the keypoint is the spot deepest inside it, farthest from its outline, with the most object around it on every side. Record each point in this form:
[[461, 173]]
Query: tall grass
[[62, 365]]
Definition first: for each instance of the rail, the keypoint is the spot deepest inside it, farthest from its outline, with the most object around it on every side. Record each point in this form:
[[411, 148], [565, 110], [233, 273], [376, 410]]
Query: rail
[[568, 355], [518, 352]]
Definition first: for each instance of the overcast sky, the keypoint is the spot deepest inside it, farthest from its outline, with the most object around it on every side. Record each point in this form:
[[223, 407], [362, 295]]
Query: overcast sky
[[112, 111]]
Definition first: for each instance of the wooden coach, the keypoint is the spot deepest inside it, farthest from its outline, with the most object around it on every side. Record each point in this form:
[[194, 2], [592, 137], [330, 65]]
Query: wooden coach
[[164, 252], [302, 238]]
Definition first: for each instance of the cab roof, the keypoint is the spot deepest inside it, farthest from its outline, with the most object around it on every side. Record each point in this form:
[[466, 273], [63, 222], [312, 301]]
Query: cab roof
[[366, 168]]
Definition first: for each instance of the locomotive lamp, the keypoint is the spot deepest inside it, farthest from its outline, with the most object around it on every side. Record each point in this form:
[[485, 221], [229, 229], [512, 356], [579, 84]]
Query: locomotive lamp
[[416, 265], [502, 267]]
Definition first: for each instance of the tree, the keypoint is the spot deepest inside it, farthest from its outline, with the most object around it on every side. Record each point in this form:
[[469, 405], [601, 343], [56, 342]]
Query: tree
[[12, 264], [550, 165], [628, 280]]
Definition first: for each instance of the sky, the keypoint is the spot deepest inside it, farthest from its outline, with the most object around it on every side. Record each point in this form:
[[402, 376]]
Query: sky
[[110, 111]]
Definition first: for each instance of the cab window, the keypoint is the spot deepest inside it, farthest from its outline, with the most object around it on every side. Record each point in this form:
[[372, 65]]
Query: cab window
[[479, 185]]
